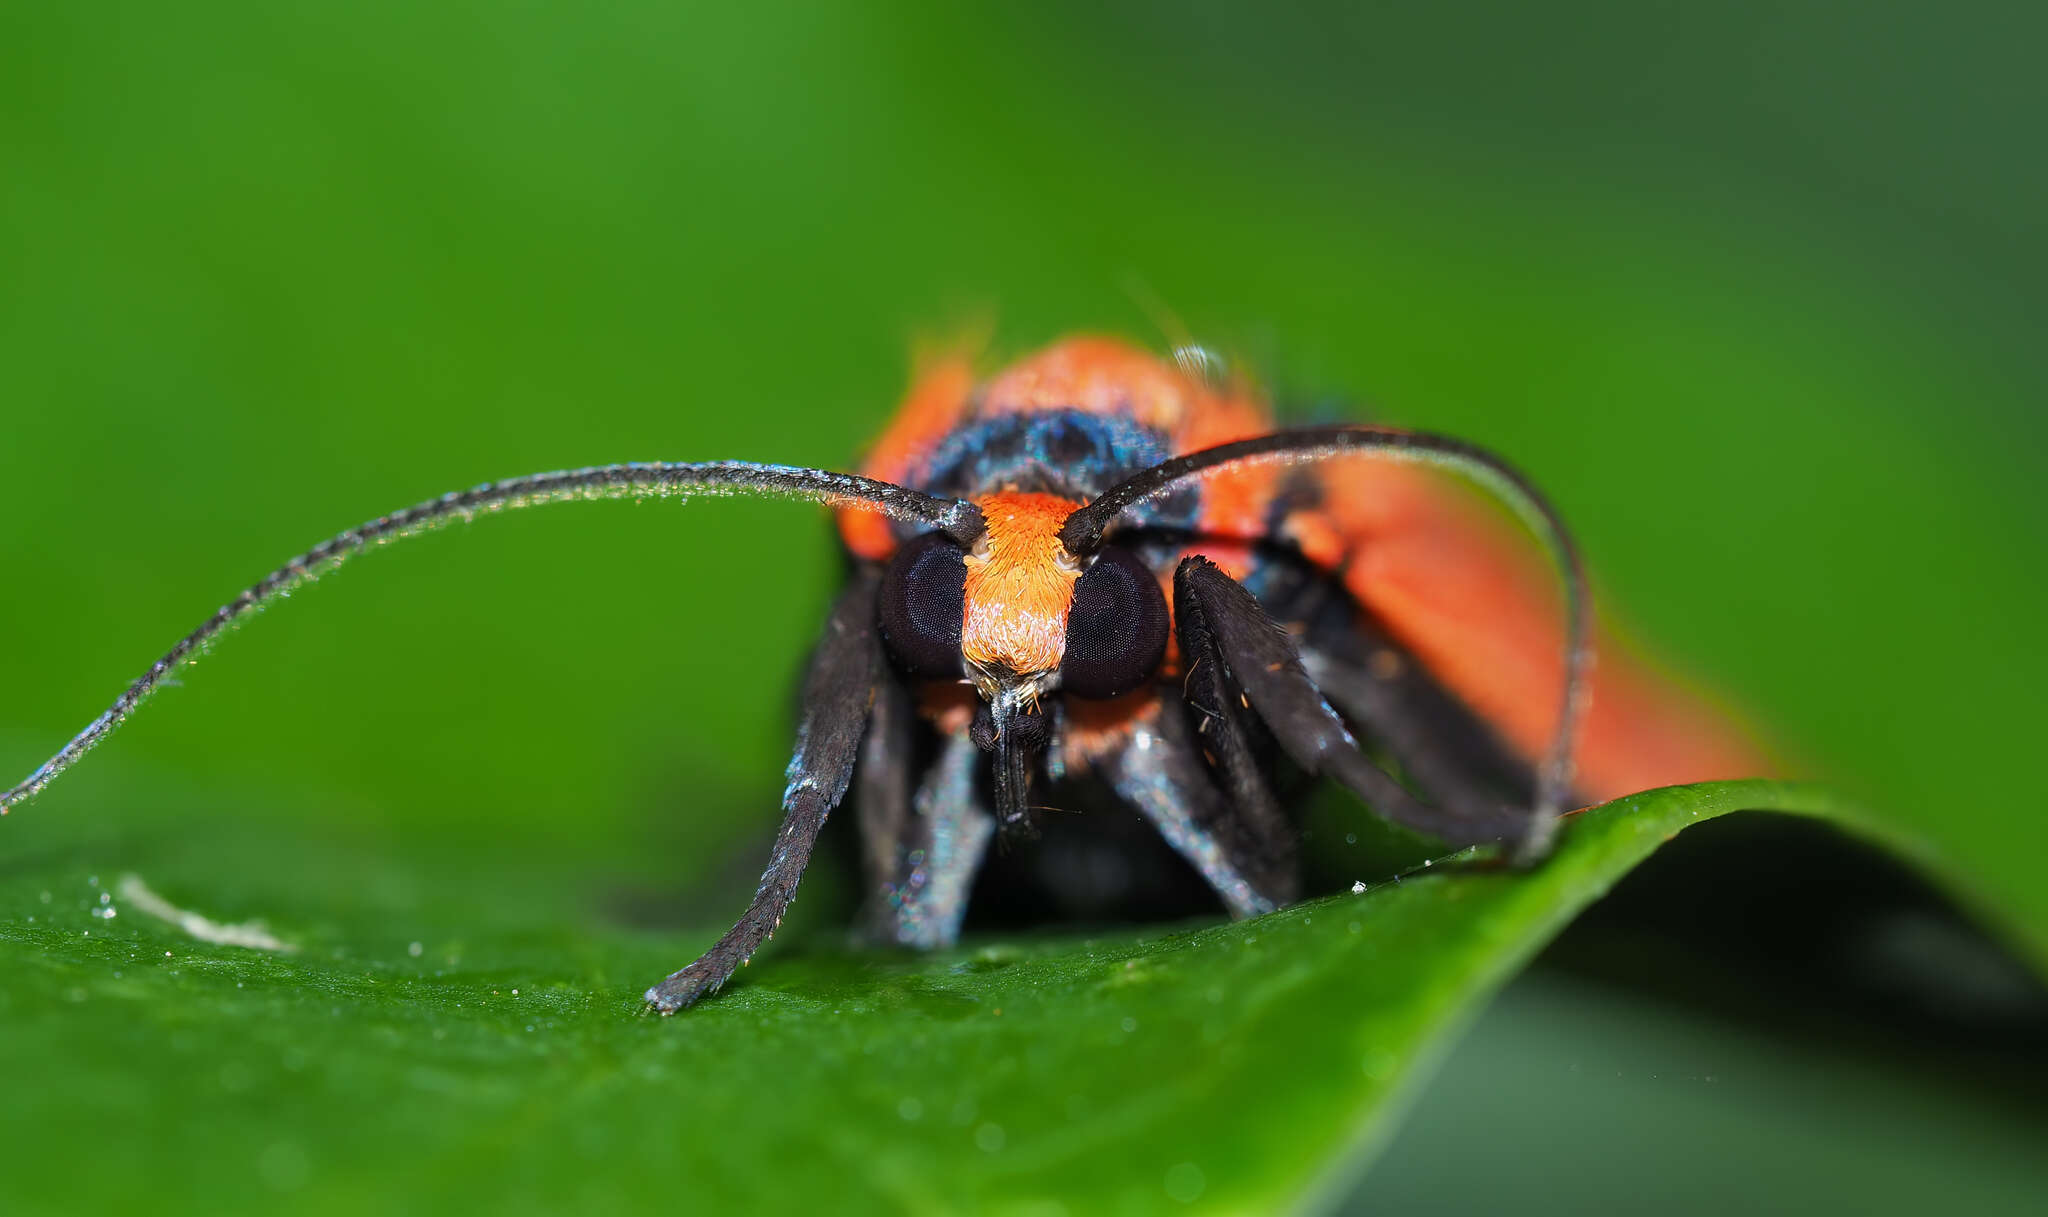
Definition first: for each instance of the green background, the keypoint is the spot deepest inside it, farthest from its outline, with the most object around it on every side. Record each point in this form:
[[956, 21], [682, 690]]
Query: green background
[[1752, 289]]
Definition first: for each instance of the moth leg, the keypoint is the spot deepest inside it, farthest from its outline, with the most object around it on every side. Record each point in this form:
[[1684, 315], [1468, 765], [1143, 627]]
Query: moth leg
[[1388, 696], [1162, 774], [1268, 673], [883, 784], [920, 893], [839, 690], [1223, 728], [1438, 742]]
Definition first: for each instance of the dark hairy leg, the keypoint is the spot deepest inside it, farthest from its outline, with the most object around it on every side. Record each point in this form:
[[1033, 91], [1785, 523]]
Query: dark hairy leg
[[884, 782], [927, 867], [1223, 726], [839, 691], [1264, 666], [1248, 860], [1437, 743], [1392, 700]]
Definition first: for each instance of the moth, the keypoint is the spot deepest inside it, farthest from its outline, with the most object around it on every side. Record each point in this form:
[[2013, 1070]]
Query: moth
[[1104, 570]]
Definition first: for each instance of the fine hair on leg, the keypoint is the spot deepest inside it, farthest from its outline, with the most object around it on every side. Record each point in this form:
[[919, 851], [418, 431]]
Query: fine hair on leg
[[839, 692], [1265, 667]]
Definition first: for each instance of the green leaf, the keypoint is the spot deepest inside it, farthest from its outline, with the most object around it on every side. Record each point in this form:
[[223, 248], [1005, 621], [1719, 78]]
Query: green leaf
[[464, 1030]]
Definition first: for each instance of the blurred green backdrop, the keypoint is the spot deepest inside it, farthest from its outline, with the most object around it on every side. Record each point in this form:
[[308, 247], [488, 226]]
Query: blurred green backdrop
[[1753, 289]]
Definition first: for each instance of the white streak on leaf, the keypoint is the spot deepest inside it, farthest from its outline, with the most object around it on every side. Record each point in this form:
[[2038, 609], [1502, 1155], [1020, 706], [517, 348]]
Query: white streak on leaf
[[251, 934]]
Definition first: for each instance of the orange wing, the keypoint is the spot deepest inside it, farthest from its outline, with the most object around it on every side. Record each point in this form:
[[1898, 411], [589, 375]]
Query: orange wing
[[1455, 584]]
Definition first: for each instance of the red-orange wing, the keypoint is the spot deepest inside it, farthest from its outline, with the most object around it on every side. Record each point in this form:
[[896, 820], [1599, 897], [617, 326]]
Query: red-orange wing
[[1457, 585]]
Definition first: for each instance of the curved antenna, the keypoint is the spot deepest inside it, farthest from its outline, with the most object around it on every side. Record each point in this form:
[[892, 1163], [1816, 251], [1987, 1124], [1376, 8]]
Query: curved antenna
[[1082, 535], [958, 519]]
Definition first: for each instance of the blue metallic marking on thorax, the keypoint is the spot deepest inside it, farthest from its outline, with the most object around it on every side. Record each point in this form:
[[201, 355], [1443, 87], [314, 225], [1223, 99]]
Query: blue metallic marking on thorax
[[1070, 453]]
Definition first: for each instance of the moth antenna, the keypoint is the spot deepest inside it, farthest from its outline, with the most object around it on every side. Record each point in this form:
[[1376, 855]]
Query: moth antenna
[[960, 520], [1083, 531]]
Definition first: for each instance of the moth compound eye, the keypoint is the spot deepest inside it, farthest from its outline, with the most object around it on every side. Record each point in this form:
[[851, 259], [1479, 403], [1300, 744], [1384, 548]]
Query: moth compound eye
[[923, 601], [1116, 629]]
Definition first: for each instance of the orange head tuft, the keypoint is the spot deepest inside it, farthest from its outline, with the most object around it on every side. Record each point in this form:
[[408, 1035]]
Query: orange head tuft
[[1020, 584]]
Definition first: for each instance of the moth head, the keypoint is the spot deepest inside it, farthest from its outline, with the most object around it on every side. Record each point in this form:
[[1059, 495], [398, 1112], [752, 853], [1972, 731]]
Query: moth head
[[1017, 614]]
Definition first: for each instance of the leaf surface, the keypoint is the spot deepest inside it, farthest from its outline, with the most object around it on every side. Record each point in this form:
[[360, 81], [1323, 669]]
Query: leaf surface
[[451, 1033]]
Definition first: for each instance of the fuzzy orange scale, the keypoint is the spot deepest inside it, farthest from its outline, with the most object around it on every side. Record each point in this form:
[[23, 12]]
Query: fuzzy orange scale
[[1020, 584], [1097, 376]]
